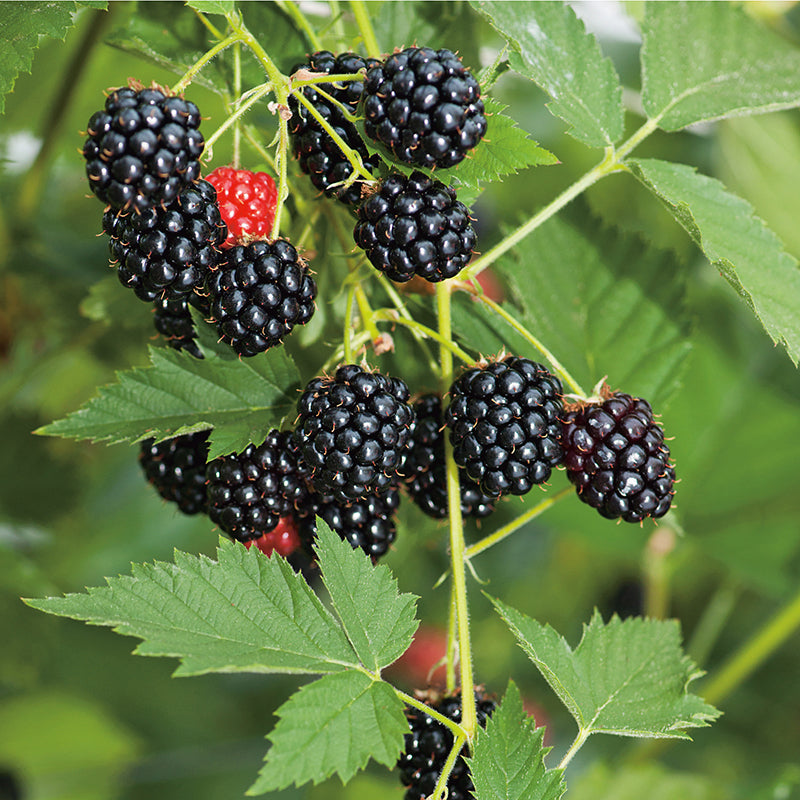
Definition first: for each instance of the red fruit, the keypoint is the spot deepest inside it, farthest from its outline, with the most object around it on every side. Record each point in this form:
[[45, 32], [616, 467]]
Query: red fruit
[[420, 664], [491, 286], [247, 202], [283, 538]]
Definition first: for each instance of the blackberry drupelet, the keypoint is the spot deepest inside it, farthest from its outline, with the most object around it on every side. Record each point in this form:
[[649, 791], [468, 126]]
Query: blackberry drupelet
[[615, 455], [259, 293], [173, 321], [176, 468], [143, 149], [353, 429], [319, 156], [284, 539], [425, 106], [425, 473], [415, 226], [504, 425], [167, 252], [247, 202], [249, 492], [429, 744]]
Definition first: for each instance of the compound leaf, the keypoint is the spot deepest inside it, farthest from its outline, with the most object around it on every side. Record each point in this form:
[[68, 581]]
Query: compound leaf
[[241, 613], [747, 254], [704, 61], [379, 621], [333, 725], [508, 756], [625, 678], [551, 47]]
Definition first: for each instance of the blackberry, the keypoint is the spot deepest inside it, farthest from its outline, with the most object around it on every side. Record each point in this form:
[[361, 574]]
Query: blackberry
[[428, 745], [319, 156], [166, 252], [415, 226], [615, 455], [504, 425], [367, 523], [176, 468], [425, 475], [284, 539], [249, 492], [173, 321], [247, 202], [425, 106], [142, 149], [259, 293]]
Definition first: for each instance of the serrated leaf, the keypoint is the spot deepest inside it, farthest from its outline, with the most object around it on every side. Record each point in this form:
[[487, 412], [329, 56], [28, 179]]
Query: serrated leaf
[[705, 60], [379, 621], [213, 6], [241, 613], [551, 47], [333, 725], [21, 27], [242, 399], [625, 678], [747, 254], [508, 757]]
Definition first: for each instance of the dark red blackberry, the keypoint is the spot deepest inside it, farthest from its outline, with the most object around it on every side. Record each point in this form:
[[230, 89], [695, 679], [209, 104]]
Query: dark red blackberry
[[173, 321], [167, 252], [425, 106], [425, 473], [259, 293], [249, 492], [428, 745], [353, 429], [367, 523], [177, 469], [615, 455], [284, 538], [319, 156], [504, 425], [143, 149], [415, 226]]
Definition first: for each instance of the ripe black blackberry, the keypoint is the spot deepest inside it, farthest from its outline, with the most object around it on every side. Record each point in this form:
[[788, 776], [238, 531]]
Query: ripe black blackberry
[[353, 429], [504, 425], [173, 320], [425, 474], [249, 492], [415, 226], [167, 252], [143, 148], [259, 293], [615, 455], [177, 469], [319, 156], [367, 523], [428, 745], [425, 106]]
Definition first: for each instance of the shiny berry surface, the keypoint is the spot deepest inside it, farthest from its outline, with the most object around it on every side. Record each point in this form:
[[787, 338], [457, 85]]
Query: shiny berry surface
[[247, 202]]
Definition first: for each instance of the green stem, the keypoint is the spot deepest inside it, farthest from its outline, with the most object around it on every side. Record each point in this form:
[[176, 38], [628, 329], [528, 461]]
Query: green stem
[[454, 727], [367, 316], [237, 91], [210, 27], [452, 643], [440, 792], [203, 60], [711, 623], [574, 747], [235, 117], [424, 330], [292, 10], [656, 570], [365, 27], [337, 23], [348, 325]]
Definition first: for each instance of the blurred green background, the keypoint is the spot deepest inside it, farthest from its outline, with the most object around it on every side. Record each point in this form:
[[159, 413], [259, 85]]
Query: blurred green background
[[81, 719]]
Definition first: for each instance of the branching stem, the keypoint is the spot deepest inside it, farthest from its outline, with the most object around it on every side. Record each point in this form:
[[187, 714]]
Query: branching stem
[[365, 27], [203, 60]]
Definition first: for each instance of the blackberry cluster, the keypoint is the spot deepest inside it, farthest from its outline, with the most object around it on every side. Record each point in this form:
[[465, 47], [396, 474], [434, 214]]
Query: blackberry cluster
[[353, 429], [504, 425], [615, 455], [142, 149], [259, 293], [425, 475], [415, 226], [173, 321], [249, 492], [429, 744], [247, 202], [176, 468], [425, 106], [319, 156], [167, 252]]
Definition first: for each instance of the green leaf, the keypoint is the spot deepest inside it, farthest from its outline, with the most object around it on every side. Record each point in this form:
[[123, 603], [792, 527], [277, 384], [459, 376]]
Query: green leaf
[[333, 725], [242, 399], [241, 613], [379, 621], [747, 254], [551, 47], [213, 6], [703, 61], [625, 678], [508, 757], [22, 26]]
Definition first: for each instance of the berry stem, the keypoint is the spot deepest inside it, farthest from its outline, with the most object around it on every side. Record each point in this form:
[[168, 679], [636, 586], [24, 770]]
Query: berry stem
[[365, 27], [237, 90], [234, 118], [454, 727], [292, 10], [574, 747], [203, 60], [440, 792], [389, 315], [452, 643], [365, 310], [347, 341]]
